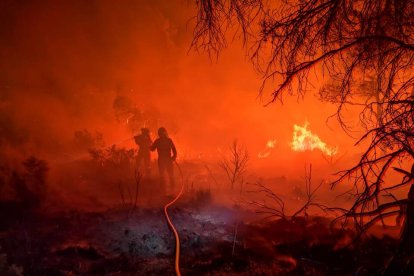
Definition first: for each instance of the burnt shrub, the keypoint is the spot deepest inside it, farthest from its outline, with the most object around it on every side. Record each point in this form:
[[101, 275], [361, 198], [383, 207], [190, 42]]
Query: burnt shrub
[[30, 186]]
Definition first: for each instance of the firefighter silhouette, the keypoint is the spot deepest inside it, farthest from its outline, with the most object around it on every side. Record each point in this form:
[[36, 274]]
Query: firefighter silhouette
[[167, 154], [144, 142]]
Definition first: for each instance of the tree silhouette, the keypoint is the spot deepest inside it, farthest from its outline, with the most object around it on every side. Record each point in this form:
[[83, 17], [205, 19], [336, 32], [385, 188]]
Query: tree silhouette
[[366, 50], [235, 164]]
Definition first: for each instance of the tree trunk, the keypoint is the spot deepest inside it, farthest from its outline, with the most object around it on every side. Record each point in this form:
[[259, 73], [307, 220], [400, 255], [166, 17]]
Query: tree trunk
[[403, 261]]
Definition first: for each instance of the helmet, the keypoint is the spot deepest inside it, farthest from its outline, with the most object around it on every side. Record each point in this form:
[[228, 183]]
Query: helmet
[[162, 132]]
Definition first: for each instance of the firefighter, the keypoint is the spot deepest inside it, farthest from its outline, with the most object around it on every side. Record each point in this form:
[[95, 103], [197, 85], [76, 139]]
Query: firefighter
[[167, 154], [144, 142]]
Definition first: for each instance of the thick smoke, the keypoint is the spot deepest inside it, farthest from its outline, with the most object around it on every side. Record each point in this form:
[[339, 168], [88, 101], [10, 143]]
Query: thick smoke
[[81, 74]]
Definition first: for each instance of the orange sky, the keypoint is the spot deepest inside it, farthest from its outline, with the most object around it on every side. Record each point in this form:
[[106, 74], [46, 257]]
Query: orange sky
[[64, 62]]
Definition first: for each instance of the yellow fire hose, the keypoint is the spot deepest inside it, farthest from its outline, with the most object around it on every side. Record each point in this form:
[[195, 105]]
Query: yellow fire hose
[[171, 225]]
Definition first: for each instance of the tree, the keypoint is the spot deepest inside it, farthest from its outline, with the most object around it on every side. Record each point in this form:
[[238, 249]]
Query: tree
[[364, 47], [235, 165]]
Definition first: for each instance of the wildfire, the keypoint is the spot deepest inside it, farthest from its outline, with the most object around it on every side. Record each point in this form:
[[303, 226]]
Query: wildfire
[[303, 139], [269, 146], [128, 118]]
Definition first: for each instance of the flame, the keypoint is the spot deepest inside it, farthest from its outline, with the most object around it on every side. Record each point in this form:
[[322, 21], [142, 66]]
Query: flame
[[304, 139], [128, 118], [269, 146]]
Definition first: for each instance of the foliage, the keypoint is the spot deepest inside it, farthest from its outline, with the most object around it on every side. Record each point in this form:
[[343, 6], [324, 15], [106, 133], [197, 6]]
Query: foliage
[[112, 156], [36, 170], [28, 186], [85, 140], [365, 50], [31, 185], [128, 113]]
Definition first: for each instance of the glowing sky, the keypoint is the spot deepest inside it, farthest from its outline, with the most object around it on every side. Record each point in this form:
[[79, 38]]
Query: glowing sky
[[64, 62]]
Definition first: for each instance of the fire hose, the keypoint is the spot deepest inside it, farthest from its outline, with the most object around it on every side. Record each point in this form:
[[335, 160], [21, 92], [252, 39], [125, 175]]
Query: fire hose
[[167, 216], [171, 225]]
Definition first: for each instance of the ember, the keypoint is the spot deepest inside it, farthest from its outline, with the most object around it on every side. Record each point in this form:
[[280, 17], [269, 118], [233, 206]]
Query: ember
[[270, 145]]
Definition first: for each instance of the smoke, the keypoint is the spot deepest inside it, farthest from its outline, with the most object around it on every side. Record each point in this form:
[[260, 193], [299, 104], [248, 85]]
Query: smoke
[[112, 67]]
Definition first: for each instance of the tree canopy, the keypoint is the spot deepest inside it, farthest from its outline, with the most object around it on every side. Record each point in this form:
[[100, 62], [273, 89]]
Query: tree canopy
[[366, 50]]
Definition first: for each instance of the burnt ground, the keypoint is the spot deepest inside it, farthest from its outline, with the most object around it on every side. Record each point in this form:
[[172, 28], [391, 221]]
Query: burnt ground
[[215, 241]]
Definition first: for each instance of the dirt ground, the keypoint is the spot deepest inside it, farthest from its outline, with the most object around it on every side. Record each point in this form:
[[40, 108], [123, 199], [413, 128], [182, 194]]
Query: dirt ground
[[215, 240]]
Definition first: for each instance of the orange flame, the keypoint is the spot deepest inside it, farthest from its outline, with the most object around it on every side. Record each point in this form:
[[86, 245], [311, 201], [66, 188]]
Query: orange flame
[[269, 146], [128, 118], [304, 139]]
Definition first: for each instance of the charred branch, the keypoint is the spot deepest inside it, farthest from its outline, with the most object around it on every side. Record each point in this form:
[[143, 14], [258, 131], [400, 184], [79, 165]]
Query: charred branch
[[365, 51], [235, 164], [277, 209]]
